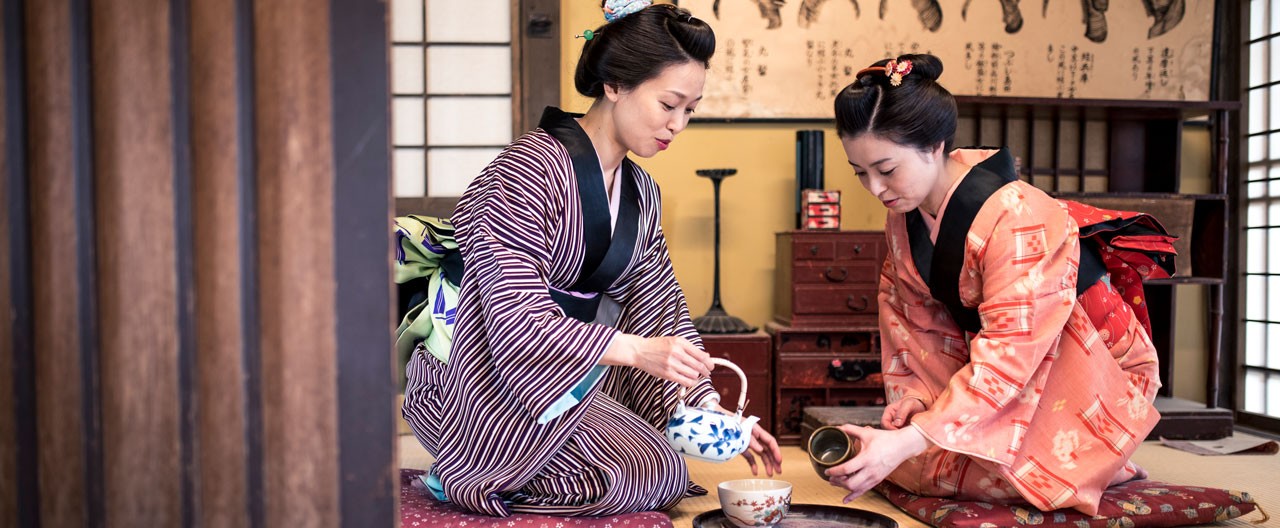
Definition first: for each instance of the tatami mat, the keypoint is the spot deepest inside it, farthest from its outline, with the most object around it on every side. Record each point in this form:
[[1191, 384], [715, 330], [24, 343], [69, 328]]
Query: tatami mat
[[1257, 474], [806, 488]]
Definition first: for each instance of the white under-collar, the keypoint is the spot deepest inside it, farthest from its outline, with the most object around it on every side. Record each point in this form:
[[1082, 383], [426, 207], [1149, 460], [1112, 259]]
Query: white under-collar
[[613, 197]]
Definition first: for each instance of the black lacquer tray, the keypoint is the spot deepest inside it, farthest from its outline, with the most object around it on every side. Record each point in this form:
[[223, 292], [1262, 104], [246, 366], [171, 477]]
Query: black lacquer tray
[[807, 516]]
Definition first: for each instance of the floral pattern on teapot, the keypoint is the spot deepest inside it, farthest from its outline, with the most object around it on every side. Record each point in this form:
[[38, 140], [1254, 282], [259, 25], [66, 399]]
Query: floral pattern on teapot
[[709, 434]]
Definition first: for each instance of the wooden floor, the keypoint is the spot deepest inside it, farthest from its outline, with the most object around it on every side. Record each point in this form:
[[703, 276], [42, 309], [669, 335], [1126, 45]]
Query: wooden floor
[[1257, 474]]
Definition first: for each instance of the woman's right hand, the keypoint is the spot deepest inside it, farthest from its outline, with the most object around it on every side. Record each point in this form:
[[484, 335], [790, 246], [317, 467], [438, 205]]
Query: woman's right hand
[[898, 414], [671, 358]]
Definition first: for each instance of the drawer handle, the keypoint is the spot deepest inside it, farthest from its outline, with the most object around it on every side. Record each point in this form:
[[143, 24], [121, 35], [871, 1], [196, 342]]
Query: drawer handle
[[823, 341], [866, 303], [857, 249], [851, 371], [831, 276], [813, 250]]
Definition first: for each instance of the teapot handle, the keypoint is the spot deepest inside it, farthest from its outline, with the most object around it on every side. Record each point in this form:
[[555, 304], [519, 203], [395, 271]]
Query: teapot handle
[[742, 396]]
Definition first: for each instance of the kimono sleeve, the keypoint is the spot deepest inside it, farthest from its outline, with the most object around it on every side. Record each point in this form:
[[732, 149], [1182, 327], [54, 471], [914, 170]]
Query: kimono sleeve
[[1027, 272], [540, 354], [912, 331]]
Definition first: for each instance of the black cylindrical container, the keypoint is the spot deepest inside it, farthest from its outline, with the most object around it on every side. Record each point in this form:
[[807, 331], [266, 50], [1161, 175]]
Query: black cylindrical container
[[809, 170]]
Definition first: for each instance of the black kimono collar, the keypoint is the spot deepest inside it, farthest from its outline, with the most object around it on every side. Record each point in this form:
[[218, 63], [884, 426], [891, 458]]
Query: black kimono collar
[[606, 255], [1001, 163], [939, 265]]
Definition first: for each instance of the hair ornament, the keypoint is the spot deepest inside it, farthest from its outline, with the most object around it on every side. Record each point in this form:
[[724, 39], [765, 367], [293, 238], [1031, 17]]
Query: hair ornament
[[616, 9], [893, 69], [588, 34]]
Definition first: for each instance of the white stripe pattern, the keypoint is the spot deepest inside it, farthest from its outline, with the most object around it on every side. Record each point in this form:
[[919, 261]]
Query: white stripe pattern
[[515, 353]]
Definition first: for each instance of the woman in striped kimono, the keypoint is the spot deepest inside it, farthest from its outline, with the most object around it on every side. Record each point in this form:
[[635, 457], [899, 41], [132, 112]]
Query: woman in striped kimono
[[1015, 369], [572, 336]]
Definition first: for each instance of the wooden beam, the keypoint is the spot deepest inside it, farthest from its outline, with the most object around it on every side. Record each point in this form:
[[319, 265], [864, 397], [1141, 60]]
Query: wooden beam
[[220, 209], [63, 263], [138, 284], [538, 43], [19, 490], [296, 262], [362, 243]]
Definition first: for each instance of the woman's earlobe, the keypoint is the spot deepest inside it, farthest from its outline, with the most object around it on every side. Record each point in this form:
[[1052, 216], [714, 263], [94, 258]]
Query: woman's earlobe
[[611, 92]]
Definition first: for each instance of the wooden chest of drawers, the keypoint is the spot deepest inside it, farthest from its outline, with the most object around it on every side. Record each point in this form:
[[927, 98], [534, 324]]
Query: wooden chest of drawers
[[753, 353], [822, 366], [828, 277]]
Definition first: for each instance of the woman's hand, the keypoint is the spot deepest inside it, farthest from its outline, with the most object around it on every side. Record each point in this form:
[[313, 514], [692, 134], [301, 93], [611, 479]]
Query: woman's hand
[[762, 445], [881, 453], [671, 358], [898, 414]]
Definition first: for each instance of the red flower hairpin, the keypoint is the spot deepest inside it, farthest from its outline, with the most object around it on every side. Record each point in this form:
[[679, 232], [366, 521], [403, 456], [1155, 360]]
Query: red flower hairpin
[[897, 70]]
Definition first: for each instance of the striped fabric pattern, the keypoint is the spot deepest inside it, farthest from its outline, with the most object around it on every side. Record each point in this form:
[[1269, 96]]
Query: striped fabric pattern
[[515, 353]]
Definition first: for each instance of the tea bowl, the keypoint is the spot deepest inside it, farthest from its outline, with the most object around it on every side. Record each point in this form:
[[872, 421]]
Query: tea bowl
[[829, 447], [755, 502]]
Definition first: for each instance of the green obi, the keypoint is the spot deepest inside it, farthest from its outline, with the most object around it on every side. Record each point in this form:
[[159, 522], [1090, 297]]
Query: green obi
[[428, 269]]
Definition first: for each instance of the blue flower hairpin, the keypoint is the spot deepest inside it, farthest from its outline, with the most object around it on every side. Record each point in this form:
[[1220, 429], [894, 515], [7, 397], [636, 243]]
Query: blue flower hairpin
[[616, 9]]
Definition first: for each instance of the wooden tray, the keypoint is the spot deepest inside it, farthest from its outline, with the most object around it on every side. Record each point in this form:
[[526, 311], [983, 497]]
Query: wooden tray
[[808, 516]]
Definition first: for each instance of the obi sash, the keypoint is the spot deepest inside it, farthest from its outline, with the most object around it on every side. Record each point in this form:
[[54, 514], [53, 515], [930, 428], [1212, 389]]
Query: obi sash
[[940, 264], [606, 255]]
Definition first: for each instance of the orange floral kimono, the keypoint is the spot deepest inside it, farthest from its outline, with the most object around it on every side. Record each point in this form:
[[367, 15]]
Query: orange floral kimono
[[1049, 398]]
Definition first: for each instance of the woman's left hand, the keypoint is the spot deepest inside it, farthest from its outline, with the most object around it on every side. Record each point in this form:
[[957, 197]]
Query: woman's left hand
[[762, 445], [881, 453], [766, 447]]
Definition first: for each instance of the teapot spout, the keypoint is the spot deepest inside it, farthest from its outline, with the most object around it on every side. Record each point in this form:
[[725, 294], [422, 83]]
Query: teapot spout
[[748, 424]]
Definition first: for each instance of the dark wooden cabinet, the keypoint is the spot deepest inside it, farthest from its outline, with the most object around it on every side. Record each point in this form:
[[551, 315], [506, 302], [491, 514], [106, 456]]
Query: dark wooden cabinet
[[822, 366], [826, 335], [828, 277], [753, 353]]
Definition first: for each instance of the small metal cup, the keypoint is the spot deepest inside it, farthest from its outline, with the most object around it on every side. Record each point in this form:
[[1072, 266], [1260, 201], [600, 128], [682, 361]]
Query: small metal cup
[[830, 447]]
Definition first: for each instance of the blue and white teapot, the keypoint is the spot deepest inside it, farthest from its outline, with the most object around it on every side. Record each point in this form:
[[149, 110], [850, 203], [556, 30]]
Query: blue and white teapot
[[708, 434]]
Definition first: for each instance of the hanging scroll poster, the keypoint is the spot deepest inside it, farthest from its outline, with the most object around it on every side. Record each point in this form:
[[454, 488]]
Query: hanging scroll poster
[[788, 59]]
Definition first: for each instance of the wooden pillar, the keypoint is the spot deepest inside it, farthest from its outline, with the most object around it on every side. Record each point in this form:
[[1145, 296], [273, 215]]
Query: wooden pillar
[[134, 180], [62, 252], [362, 199], [197, 273], [8, 414], [17, 423], [229, 445], [295, 190]]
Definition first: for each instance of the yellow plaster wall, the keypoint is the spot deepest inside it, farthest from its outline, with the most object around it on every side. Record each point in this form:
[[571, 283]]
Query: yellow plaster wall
[[755, 203]]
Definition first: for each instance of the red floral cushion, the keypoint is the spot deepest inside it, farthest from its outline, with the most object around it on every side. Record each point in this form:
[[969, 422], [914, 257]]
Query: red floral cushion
[[1134, 503], [419, 508]]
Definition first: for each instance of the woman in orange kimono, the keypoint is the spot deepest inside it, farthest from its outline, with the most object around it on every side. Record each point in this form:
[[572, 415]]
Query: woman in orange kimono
[[1016, 368]]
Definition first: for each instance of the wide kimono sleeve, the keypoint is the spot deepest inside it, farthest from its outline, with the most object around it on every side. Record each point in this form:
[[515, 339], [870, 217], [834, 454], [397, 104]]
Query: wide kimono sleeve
[[505, 228], [1026, 253], [915, 337], [655, 306]]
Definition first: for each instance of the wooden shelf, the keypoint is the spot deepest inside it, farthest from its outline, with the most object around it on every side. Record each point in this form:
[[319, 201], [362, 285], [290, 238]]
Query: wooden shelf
[[1187, 420], [1046, 107], [1137, 196], [774, 325], [1187, 280]]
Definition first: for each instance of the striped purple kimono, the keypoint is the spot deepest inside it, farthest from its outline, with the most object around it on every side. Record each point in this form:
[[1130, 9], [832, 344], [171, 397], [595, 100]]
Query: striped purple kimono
[[523, 418]]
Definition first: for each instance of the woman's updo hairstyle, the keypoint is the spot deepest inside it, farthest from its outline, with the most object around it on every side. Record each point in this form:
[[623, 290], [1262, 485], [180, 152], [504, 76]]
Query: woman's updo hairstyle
[[637, 47], [918, 112]]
